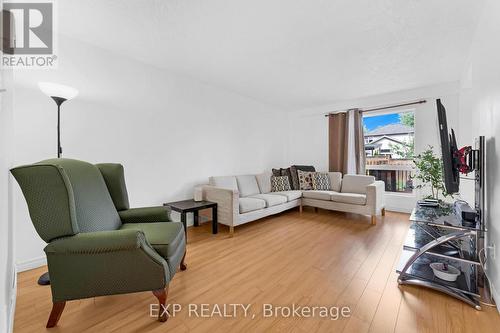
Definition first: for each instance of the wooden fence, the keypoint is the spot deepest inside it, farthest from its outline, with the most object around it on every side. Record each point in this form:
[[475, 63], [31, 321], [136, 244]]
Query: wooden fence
[[396, 173]]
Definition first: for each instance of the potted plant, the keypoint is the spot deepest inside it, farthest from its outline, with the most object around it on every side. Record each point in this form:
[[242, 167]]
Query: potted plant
[[430, 173]]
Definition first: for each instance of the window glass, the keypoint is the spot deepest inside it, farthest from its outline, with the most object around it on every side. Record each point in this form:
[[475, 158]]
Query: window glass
[[389, 148]]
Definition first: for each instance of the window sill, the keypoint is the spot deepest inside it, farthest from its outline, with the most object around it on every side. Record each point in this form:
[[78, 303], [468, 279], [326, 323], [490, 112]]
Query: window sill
[[401, 194]]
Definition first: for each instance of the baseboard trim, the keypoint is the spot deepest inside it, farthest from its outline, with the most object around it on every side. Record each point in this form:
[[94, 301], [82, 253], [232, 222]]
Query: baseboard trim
[[11, 310], [12, 301], [8, 308], [495, 295], [398, 209], [31, 264]]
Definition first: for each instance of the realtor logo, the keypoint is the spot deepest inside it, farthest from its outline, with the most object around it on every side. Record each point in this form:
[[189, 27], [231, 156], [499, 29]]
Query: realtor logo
[[28, 34]]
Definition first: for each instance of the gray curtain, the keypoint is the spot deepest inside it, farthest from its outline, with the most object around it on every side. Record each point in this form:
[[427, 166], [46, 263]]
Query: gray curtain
[[346, 142]]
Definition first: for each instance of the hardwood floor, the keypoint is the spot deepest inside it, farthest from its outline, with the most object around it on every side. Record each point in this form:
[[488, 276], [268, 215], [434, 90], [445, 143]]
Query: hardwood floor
[[314, 259]]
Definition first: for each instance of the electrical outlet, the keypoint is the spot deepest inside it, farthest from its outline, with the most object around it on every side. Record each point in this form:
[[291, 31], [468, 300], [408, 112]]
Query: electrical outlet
[[492, 251]]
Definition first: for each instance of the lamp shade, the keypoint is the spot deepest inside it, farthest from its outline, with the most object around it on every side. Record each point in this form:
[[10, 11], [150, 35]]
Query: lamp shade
[[57, 90]]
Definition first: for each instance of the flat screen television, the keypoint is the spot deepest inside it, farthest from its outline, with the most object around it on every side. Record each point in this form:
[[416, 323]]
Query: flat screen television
[[449, 150]]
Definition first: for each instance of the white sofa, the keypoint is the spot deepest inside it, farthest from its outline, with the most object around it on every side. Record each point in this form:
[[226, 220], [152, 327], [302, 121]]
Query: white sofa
[[245, 198]]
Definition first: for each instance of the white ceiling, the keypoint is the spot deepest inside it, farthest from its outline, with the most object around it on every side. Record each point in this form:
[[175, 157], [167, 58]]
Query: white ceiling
[[291, 53]]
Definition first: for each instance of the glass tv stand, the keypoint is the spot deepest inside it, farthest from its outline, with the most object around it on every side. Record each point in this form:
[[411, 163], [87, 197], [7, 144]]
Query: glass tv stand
[[438, 235]]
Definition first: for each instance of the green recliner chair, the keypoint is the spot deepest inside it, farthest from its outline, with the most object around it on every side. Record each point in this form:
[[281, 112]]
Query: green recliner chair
[[97, 245]]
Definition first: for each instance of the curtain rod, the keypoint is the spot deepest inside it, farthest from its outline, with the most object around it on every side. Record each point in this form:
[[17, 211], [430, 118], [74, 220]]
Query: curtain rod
[[379, 107]]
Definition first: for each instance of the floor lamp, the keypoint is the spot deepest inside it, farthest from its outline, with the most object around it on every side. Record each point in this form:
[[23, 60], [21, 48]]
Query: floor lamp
[[59, 93]]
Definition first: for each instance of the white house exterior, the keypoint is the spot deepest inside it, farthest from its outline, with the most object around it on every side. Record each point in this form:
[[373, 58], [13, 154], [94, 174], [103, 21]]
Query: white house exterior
[[381, 140]]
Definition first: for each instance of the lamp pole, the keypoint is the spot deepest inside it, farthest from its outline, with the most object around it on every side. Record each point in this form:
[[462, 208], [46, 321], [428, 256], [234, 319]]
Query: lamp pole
[[59, 148], [59, 101]]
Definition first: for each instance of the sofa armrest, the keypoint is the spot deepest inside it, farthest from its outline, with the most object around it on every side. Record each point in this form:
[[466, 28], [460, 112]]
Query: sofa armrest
[[104, 263], [227, 203], [145, 214], [375, 196]]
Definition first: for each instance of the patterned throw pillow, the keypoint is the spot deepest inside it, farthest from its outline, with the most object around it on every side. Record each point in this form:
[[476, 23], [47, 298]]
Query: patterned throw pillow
[[305, 179], [294, 175], [283, 172], [280, 184], [321, 181]]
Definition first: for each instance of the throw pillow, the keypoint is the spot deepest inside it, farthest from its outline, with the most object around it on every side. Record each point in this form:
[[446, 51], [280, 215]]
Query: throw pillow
[[283, 172], [305, 180], [321, 181], [276, 172], [294, 175], [280, 184]]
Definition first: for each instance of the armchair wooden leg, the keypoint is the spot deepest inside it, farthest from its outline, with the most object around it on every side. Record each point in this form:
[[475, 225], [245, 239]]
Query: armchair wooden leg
[[374, 220], [383, 211], [231, 231], [183, 264], [162, 295], [55, 314]]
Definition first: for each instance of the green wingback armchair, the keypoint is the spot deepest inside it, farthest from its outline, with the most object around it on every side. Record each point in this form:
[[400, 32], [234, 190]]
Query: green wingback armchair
[[97, 244]]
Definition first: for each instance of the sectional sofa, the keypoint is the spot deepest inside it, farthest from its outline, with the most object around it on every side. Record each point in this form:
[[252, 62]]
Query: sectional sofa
[[245, 198]]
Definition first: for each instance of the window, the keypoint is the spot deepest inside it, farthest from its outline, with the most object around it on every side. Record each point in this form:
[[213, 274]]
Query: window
[[389, 148]]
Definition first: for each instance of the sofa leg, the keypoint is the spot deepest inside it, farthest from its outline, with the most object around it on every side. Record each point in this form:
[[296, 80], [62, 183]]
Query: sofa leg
[[315, 209], [231, 231], [55, 314], [383, 211], [161, 295], [183, 264], [374, 220], [300, 209]]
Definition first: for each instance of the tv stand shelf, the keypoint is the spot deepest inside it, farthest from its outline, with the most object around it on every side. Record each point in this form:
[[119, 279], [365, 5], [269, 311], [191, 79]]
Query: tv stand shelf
[[438, 235], [420, 269], [444, 217], [461, 250]]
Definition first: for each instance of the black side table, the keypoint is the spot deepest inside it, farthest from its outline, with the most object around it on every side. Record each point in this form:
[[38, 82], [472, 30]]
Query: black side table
[[191, 206]]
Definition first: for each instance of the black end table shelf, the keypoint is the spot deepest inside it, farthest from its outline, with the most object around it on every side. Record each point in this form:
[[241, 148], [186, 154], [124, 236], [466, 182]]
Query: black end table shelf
[[190, 206]]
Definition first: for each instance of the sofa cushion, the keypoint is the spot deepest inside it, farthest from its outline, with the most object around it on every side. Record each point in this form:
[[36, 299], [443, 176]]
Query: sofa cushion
[[319, 195], [321, 181], [271, 199], [228, 182], [247, 185], [251, 204], [305, 180], [290, 195], [264, 182], [335, 181], [349, 198], [280, 183], [294, 174], [356, 183]]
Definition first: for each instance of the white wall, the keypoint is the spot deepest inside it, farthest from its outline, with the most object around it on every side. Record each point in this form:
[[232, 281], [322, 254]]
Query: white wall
[[169, 132], [7, 276], [480, 115], [308, 129]]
